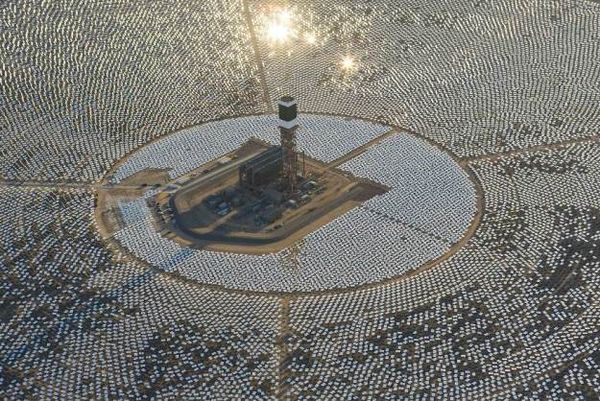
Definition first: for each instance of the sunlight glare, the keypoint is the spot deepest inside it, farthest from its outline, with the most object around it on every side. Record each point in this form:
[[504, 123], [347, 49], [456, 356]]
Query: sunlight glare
[[278, 33], [279, 29], [310, 38], [348, 63]]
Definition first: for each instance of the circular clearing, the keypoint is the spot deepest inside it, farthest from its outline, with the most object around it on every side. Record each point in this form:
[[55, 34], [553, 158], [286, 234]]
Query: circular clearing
[[427, 212]]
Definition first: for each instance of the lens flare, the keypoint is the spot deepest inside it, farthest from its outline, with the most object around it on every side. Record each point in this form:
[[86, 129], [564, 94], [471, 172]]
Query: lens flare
[[279, 28], [310, 38], [278, 33], [348, 63]]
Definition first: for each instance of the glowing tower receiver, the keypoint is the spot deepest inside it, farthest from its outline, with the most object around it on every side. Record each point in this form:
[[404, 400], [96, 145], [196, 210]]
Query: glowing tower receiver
[[288, 124]]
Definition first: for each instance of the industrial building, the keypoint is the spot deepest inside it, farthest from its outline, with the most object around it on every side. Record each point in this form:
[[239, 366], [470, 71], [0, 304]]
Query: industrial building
[[262, 169]]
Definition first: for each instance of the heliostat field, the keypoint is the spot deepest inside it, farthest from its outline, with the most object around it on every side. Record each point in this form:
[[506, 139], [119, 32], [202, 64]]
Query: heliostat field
[[471, 272]]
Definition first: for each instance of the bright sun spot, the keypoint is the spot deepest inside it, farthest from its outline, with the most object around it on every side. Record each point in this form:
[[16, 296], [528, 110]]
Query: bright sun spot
[[279, 29], [310, 38], [348, 63], [278, 33]]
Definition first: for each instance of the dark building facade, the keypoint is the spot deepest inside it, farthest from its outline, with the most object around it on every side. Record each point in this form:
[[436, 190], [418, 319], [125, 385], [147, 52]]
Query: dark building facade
[[262, 169]]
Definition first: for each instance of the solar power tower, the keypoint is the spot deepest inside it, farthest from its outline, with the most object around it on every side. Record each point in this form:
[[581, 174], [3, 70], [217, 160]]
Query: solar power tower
[[288, 124]]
